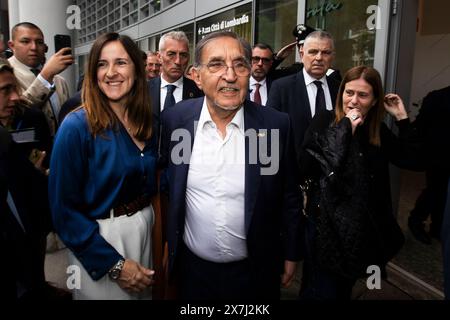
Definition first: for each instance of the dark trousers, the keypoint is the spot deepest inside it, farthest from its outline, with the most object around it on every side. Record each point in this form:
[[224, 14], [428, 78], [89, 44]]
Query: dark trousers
[[206, 280], [318, 283]]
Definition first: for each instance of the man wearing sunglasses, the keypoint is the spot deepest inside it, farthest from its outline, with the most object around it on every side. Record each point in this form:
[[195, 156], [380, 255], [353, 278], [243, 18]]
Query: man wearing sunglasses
[[262, 60]]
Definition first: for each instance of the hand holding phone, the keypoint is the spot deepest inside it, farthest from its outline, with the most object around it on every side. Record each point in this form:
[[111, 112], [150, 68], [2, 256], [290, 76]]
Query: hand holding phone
[[62, 41], [58, 62]]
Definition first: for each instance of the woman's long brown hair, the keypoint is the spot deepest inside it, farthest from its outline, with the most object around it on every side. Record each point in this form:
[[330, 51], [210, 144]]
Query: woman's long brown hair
[[100, 116]]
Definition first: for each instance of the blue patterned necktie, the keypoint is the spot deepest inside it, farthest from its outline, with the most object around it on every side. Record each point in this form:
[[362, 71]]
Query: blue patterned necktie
[[170, 99]]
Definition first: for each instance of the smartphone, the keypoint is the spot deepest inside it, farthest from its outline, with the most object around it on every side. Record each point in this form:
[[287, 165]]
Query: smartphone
[[62, 41]]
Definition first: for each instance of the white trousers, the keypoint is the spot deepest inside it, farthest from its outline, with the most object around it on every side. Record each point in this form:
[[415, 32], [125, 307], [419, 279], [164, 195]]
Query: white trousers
[[131, 237]]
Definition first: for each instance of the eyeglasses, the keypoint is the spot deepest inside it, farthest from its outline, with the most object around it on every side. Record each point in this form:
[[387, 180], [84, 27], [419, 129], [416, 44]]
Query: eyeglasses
[[154, 65], [256, 59], [241, 68]]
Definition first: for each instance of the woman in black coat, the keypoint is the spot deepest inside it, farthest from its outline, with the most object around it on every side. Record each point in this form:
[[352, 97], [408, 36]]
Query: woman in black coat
[[345, 166]]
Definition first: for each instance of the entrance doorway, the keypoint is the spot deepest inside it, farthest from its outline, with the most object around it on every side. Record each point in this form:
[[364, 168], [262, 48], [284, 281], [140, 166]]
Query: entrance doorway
[[430, 70]]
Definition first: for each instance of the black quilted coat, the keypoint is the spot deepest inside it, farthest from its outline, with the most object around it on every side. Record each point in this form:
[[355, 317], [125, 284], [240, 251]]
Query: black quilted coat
[[350, 197]]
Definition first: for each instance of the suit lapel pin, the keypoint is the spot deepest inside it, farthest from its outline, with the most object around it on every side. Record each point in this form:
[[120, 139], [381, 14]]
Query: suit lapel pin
[[191, 95]]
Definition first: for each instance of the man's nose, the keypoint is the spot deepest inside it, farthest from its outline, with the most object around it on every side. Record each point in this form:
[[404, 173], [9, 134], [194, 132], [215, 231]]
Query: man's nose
[[229, 74], [33, 45], [177, 58], [14, 96]]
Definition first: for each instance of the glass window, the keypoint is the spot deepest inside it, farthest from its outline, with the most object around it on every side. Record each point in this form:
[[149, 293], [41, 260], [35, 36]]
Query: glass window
[[81, 64], [153, 43], [275, 21], [189, 31], [155, 6], [348, 22]]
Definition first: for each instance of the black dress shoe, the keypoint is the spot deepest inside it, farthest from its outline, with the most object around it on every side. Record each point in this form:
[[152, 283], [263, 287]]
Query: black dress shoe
[[418, 231]]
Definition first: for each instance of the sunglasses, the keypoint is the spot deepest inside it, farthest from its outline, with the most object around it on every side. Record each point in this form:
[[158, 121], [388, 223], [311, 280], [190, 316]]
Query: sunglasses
[[256, 59]]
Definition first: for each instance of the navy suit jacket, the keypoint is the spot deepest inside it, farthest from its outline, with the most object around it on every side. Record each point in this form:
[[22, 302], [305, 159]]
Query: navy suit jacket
[[272, 203], [190, 90], [289, 95]]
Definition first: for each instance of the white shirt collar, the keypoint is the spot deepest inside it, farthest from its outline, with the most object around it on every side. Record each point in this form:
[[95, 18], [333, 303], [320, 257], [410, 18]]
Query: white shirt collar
[[309, 79], [205, 117], [253, 82], [177, 83]]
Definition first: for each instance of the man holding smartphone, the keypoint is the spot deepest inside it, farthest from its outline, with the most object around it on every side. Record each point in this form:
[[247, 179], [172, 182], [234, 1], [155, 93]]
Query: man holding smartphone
[[40, 81]]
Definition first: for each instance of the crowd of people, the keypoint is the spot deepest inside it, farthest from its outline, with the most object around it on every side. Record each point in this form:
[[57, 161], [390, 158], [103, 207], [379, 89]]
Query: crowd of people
[[146, 132]]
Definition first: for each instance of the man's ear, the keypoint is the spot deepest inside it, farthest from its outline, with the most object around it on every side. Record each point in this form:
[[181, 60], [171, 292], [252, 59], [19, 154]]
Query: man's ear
[[301, 51], [196, 77], [11, 45]]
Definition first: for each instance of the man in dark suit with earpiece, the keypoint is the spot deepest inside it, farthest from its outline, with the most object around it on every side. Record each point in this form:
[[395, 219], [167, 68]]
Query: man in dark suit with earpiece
[[309, 91]]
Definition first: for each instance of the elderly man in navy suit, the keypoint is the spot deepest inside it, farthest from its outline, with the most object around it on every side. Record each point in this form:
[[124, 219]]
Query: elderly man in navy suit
[[234, 208], [306, 93]]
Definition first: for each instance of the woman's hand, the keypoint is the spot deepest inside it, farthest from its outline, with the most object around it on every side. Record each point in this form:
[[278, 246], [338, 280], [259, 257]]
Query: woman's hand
[[356, 118], [395, 107], [134, 277]]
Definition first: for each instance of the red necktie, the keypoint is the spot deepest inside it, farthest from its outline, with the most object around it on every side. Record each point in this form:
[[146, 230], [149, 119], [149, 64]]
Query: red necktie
[[257, 95]]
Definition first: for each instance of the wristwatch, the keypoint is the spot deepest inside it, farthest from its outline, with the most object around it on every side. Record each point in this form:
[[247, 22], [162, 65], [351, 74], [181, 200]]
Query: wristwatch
[[114, 273]]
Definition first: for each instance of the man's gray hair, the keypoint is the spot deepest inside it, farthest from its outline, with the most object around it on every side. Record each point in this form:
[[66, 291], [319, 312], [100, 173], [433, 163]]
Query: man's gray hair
[[174, 35], [221, 34], [152, 53], [319, 34]]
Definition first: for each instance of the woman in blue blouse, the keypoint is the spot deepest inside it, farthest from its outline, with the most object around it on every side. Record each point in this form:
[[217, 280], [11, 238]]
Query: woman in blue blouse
[[102, 174]]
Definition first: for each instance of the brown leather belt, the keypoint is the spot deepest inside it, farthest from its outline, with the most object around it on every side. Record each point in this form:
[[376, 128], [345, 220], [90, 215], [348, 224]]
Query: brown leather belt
[[134, 206]]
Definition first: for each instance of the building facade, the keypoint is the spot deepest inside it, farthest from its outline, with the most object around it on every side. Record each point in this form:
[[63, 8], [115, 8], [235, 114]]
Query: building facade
[[353, 23]]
